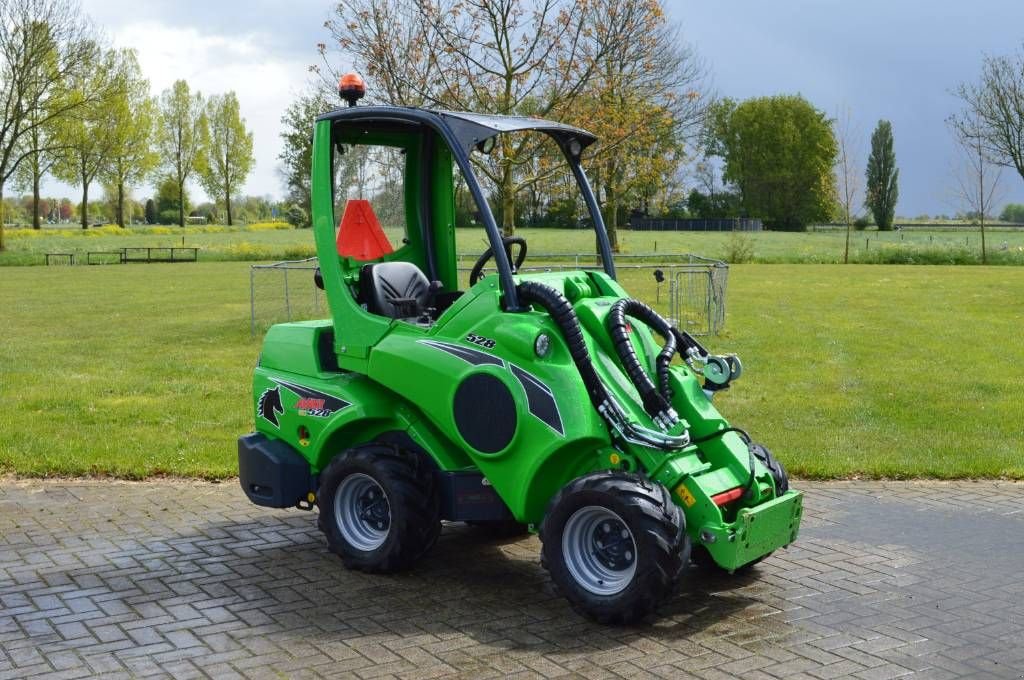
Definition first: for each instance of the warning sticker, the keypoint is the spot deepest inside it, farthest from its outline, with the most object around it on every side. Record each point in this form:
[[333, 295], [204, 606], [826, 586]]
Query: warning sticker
[[685, 495]]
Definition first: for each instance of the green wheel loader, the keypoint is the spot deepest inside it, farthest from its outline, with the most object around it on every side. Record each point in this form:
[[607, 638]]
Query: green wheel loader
[[550, 402]]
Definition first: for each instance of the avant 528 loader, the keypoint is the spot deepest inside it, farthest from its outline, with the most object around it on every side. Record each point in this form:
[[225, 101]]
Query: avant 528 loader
[[548, 401]]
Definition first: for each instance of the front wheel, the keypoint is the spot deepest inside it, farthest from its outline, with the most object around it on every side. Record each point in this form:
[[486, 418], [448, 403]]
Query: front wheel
[[779, 475], [378, 508], [615, 545]]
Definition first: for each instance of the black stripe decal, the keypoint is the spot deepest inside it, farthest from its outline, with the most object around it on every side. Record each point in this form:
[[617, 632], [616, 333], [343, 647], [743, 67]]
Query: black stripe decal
[[540, 399], [472, 356], [330, 403]]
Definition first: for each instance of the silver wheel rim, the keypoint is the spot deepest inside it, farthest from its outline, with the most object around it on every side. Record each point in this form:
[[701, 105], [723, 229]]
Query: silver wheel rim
[[362, 512], [599, 550]]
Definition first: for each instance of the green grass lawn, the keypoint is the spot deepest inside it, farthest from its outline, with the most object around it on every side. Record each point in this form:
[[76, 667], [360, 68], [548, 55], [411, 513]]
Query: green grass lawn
[[1005, 246], [861, 370]]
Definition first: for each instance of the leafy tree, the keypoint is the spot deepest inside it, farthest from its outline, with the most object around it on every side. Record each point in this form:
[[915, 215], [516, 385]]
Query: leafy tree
[[182, 128], [88, 136], [254, 208], [718, 205], [882, 177], [151, 211], [1013, 212], [227, 146], [43, 45], [644, 104], [778, 152], [207, 210], [39, 145], [132, 157], [169, 198], [297, 153], [296, 216]]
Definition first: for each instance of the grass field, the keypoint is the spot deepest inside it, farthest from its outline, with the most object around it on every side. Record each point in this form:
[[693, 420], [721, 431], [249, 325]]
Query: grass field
[[1005, 246], [862, 370]]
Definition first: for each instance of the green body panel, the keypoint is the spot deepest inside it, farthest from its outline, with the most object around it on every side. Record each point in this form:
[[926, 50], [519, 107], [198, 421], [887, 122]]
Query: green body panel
[[372, 409], [396, 376]]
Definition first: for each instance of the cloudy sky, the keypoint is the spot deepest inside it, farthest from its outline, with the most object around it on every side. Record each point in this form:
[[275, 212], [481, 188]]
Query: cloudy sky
[[894, 59]]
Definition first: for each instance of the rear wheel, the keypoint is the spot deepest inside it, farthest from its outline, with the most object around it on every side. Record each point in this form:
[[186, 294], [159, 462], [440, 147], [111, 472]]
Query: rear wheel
[[378, 508], [615, 545]]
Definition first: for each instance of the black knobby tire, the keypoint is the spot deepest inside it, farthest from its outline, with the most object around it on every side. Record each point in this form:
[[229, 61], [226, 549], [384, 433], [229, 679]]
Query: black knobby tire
[[658, 531], [500, 528], [774, 466], [413, 515]]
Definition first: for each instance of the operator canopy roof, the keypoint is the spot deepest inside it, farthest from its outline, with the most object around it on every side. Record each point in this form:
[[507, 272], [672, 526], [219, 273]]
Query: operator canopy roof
[[469, 129]]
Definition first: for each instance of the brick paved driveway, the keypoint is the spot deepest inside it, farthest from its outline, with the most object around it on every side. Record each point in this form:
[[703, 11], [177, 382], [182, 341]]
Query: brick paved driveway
[[189, 580]]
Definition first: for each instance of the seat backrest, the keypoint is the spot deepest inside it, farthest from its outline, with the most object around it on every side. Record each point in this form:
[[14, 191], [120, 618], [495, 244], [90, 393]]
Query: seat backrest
[[395, 289]]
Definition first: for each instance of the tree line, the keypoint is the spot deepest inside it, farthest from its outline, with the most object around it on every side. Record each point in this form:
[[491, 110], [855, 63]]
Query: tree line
[[668, 146], [80, 111], [618, 68]]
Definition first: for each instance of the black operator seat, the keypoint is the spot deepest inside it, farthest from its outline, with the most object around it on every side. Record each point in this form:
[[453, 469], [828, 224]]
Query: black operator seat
[[395, 289]]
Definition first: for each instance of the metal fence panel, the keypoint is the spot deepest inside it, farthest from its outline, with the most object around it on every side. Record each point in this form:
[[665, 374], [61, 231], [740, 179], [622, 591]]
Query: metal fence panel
[[696, 224], [697, 297], [285, 291]]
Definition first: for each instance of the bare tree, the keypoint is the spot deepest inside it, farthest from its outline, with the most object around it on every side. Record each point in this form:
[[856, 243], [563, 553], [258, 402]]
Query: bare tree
[[647, 102], [847, 171], [977, 178], [392, 47], [995, 109], [613, 66], [506, 57], [34, 32]]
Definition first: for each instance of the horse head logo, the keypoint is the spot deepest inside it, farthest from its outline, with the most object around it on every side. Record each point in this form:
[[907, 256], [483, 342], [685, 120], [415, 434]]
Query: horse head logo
[[269, 405]]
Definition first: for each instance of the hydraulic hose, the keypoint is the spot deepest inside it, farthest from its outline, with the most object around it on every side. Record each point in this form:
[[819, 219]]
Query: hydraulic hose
[[656, 399], [562, 313], [687, 344]]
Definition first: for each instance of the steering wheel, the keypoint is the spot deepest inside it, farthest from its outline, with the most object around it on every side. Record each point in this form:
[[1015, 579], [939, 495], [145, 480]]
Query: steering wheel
[[507, 242]]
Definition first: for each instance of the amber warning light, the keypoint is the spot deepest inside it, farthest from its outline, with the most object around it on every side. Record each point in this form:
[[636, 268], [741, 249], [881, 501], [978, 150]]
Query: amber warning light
[[351, 88]]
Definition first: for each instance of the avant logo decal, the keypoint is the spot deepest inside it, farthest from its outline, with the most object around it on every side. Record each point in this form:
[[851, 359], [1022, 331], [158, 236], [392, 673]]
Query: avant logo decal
[[311, 402], [269, 405]]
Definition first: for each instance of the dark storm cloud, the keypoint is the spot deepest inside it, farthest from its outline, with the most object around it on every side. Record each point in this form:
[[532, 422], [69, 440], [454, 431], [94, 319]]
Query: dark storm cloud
[[894, 59]]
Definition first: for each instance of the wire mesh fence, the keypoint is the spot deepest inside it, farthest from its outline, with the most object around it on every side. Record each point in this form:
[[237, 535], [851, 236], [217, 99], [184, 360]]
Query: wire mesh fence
[[283, 291], [697, 286], [697, 296]]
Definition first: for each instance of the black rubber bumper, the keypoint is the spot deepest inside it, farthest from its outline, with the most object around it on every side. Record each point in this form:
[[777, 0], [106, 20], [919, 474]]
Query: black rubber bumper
[[271, 472]]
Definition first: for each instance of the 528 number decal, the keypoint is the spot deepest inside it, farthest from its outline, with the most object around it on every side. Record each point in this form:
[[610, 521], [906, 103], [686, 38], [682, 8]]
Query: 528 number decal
[[481, 341]]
